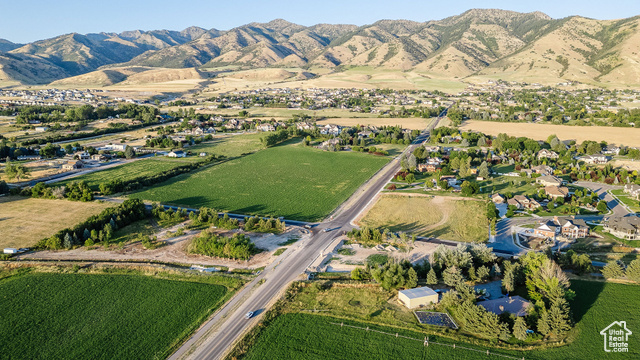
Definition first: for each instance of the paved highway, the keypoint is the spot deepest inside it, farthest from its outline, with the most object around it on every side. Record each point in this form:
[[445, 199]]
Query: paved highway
[[218, 334]]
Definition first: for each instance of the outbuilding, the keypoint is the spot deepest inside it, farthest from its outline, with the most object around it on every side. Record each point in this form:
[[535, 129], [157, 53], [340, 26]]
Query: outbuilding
[[11, 251], [422, 296]]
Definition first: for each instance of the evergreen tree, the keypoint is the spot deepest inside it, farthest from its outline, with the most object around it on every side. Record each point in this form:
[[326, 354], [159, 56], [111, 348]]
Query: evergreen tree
[[495, 270], [559, 322], [613, 270], [633, 270], [544, 327], [520, 329], [482, 273], [412, 279], [68, 241], [452, 276], [432, 278]]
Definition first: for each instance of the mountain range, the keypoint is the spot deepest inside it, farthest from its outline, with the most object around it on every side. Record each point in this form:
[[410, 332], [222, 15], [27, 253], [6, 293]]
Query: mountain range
[[492, 43]]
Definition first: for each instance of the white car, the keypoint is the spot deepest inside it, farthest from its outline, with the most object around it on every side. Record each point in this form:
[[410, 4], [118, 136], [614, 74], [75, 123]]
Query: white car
[[248, 315]]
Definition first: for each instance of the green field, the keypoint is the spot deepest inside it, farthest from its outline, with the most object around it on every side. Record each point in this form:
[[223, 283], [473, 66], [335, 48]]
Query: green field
[[287, 180], [303, 336], [632, 203], [125, 172], [230, 145], [82, 316]]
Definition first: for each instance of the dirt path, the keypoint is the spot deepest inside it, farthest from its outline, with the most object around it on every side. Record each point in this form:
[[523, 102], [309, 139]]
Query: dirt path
[[175, 251]]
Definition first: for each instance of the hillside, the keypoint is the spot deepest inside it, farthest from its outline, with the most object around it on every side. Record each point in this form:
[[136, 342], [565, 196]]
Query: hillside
[[477, 45], [6, 45]]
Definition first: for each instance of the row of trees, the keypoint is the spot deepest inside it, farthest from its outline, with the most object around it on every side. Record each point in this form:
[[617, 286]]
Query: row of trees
[[124, 214], [258, 224], [74, 191]]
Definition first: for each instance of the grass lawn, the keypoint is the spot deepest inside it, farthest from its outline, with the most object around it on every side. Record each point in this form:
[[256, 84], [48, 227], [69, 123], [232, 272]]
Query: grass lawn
[[287, 180], [296, 335], [125, 172], [230, 145], [25, 221], [447, 218], [131, 231], [632, 203], [100, 316]]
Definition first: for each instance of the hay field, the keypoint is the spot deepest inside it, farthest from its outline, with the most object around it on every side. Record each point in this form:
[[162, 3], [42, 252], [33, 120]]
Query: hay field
[[612, 135], [407, 123], [25, 221], [449, 218]]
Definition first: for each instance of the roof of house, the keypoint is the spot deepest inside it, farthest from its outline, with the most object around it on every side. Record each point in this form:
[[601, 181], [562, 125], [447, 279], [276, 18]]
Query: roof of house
[[418, 292], [547, 226], [513, 304], [631, 223], [550, 179], [556, 190]]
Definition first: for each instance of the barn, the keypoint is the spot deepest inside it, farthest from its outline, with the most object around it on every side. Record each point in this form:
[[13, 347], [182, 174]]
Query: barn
[[422, 296]]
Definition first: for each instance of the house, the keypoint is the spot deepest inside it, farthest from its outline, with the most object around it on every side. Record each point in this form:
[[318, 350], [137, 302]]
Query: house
[[547, 154], [522, 202], [595, 159], [556, 191], [624, 227], [304, 126], [547, 229], [266, 127], [330, 129], [498, 199], [428, 168], [98, 157], [422, 296], [572, 228], [450, 179], [83, 155], [611, 150], [633, 190], [549, 180], [177, 154], [331, 142], [72, 165], [515, 305], [542, 170], [365, 134]]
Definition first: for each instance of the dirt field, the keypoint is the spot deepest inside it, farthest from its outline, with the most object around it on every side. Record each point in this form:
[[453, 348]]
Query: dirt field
[[24, 221], [612, 135], [175, 250], [449, 218], [626, 164], [407, 123]]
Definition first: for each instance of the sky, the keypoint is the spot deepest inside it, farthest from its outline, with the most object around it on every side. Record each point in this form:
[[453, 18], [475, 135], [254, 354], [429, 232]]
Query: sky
[[25, 21]]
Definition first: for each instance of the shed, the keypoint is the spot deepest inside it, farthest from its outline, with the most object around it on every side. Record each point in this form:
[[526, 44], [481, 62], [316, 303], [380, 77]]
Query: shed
[[10, 251], [413, 298]]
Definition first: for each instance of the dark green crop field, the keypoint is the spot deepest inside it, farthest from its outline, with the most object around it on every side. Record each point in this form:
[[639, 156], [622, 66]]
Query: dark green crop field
[[305, 336], [83, 316], [289, 180]]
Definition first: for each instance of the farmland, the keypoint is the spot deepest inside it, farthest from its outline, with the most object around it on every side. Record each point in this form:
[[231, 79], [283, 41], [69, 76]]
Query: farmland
[[91, 316], [306, 336], [612, 135], [448, 218], [25, 221], [125, 172], [287, 180]]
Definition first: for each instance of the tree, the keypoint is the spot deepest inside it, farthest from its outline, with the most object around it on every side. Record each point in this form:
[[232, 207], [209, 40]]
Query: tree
[[129, 153], [357, 274], [544, 326], [452, 276], [633, 270], [410, 178], [432, 278], [483, 170], [482, 273], [495, 270], [68, 241], [412, 162], [16, 171], [412, 279], [602, 206], [492, 211], [559, 321], [613, 270], [520, 329]]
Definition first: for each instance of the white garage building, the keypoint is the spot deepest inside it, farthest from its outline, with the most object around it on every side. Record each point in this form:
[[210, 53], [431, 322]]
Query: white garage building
[[417, 297]]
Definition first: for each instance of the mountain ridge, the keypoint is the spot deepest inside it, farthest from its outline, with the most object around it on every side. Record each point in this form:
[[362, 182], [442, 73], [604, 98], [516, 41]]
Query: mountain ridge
[[477, 43]]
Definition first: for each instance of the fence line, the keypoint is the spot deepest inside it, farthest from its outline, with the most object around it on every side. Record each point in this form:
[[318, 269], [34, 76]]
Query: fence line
[[427, 342]]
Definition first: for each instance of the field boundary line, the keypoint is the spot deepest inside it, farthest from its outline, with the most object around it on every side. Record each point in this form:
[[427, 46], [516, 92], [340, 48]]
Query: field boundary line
[[426, 342]]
